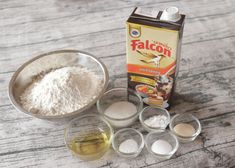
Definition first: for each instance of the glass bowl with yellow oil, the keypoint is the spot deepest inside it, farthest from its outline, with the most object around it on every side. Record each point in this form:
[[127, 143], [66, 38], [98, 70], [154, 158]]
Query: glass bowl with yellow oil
[[88, 137]]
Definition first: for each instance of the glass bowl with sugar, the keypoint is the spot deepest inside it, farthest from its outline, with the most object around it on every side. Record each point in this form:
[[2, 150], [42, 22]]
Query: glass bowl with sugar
[[120, 106]]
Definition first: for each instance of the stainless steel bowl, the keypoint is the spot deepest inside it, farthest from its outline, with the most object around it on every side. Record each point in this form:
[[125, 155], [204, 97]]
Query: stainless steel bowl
[[52, 60]]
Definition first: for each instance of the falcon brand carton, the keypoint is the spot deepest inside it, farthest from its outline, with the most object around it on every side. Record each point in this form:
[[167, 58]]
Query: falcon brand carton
[[153, 53]]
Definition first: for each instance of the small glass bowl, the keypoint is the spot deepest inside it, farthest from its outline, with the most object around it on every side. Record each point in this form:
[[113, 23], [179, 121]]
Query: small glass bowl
[[116, 95], [187, 119], [166, 136], [125, 134], [88, 137], [148, 112]]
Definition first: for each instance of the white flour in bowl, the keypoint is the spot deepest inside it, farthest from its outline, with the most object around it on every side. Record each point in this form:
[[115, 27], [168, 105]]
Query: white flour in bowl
[[61, 91]]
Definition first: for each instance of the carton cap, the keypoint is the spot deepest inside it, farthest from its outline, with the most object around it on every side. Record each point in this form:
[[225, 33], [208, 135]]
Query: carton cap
[[171, 14]]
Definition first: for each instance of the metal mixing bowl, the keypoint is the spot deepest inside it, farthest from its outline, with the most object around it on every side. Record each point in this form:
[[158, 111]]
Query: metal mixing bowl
[[53, 60]]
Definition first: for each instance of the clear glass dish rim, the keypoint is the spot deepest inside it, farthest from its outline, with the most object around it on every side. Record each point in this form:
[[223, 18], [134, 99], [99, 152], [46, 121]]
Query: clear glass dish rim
[[120, 89]]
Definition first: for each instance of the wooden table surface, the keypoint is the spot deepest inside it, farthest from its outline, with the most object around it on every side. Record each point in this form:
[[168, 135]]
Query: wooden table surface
[[206, 85]]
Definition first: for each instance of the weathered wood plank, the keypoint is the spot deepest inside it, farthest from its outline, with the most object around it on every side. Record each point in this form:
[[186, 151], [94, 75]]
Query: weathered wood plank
[[58, 10], [66, 34], [99, 46], [113, 21]]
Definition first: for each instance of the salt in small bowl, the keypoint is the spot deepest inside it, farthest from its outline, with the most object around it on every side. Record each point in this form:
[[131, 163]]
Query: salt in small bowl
[[128, 134], [167, 136]]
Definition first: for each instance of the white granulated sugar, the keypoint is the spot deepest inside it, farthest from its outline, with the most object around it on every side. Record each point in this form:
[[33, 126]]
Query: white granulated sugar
[[121, 109], [61, 91]]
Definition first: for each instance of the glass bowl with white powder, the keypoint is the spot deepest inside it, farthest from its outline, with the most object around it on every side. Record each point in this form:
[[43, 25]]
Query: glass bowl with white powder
[[154, 118], [58, 84], [120, 106], [162, 145], [128, 142]]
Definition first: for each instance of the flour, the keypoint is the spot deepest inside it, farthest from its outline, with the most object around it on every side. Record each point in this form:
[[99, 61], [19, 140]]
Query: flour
[[61, 91], [157, 121]]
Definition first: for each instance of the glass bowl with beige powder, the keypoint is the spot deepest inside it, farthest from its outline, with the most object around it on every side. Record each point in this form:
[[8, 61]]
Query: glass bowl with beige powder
[[186, 127], [120, 106]]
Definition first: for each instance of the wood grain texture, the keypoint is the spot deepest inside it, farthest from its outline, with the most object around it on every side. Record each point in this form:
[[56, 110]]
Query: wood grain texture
[[206, 84]]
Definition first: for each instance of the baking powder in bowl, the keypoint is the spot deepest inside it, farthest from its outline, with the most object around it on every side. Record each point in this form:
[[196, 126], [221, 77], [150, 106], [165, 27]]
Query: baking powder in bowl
[[156, 121]]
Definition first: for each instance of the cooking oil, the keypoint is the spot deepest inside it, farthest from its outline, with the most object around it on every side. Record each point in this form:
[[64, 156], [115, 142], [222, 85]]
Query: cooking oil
[[90, 146]]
